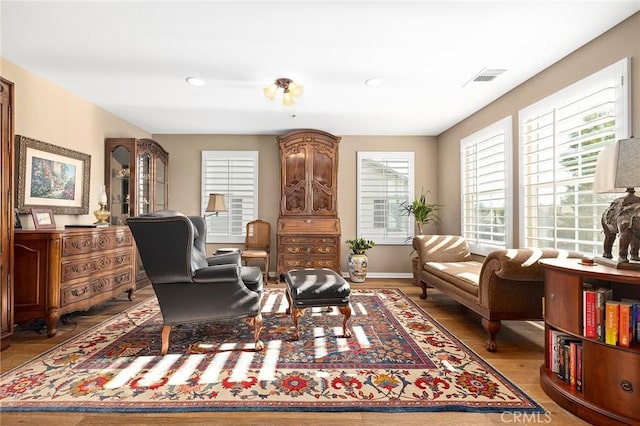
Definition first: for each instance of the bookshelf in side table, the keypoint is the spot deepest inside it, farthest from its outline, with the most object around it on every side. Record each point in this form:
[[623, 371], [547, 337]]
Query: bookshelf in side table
[[610, 379]]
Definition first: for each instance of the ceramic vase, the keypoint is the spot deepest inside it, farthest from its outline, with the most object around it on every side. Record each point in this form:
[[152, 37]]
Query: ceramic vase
[[357, 267]]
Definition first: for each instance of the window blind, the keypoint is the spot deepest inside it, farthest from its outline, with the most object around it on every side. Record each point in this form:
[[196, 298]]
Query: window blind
[[560, 141], [234, 174], [486, 181], [385, 180]]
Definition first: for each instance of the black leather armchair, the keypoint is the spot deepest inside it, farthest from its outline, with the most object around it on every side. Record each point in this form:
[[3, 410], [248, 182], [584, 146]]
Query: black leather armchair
[[190, 286]]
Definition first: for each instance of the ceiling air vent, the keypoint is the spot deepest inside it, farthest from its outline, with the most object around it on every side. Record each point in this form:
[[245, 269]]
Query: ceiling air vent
[[486, 75]]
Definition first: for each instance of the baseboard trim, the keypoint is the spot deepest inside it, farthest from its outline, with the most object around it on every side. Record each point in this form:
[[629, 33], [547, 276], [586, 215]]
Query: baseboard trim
[[345, 274]]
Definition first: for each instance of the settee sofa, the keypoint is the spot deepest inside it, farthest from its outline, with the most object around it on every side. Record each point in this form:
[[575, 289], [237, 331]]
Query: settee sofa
[[507, 285]]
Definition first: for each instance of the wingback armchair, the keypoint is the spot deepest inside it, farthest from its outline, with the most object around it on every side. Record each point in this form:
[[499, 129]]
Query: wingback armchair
[[190, 286]]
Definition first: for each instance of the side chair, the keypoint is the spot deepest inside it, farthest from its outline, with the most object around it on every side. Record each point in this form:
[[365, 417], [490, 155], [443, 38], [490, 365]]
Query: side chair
[[190, 286], [257, 245]]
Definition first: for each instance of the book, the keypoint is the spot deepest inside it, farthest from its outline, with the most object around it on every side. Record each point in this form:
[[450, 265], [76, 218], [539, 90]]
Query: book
[[636, 321], [602, 295], [579, 375], [625, 324], [566, 355], [589, 313], [635, 318], [573, 362], [554, 341], [612, 309]]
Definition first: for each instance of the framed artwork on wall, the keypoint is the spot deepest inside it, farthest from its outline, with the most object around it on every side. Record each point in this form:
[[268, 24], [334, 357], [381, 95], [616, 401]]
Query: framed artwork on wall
[[49, 176], [43, 218]]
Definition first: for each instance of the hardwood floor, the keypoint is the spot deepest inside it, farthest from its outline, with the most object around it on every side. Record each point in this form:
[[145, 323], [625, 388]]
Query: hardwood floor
[[519, 356]]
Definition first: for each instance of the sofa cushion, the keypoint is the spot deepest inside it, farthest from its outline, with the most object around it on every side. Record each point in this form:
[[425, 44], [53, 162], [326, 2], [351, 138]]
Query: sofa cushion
[[464, 275]]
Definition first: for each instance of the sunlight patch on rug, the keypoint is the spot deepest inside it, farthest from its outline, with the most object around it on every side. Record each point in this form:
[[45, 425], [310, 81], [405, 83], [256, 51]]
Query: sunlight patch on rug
[[399, 359]]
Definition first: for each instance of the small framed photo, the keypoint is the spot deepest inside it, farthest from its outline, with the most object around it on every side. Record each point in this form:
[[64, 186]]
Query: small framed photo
[[16, 219], [43, 218]]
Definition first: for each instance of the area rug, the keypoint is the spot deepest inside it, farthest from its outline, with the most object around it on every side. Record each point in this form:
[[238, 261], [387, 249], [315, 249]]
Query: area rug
[[399, 359]]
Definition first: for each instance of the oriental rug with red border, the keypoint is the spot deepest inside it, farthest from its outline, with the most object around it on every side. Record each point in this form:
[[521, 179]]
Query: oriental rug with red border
[[399, 359]]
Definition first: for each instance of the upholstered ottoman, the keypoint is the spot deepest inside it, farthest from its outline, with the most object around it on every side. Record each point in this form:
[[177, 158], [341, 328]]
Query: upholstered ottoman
[[316, 287]]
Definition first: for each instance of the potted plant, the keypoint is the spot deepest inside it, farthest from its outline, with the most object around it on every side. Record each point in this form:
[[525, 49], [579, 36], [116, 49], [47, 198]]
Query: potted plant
[[357, 260], [423, 213]]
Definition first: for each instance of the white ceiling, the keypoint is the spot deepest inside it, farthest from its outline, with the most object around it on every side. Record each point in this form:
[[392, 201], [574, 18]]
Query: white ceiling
[[132, 58]]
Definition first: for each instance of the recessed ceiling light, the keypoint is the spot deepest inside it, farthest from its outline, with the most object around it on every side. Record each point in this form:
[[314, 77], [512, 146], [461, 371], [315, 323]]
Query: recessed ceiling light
[[195, 81], [373, 82]]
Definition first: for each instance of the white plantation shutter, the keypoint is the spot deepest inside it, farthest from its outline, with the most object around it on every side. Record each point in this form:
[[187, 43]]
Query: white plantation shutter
[[385, 180], [486, 181], [234, 174], [560, 138]]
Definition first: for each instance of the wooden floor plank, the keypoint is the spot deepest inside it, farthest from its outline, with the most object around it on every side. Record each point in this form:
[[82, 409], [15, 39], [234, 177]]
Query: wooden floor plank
[[519, 356]]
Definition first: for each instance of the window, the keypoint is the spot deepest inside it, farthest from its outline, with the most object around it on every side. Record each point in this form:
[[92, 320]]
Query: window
[[385, 180], [486, 182], [560, 138], [234, 174]]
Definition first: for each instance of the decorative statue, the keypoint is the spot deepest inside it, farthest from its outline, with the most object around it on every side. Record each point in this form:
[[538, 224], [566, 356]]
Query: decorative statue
[[623, 218]]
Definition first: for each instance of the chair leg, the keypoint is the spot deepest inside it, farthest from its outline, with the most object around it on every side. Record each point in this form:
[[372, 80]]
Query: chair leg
[[256, 322], [266, 270], [165, 339], [346, 311]]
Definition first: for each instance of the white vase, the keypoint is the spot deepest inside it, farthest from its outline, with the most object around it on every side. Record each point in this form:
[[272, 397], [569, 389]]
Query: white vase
[[357, 267]]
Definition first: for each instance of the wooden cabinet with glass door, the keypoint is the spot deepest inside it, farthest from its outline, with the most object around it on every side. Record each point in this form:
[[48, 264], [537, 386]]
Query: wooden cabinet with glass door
[[137, 182]]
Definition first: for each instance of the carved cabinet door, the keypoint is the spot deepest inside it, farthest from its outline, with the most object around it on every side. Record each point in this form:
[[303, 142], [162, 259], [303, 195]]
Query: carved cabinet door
[[309, 173], [294, 180]]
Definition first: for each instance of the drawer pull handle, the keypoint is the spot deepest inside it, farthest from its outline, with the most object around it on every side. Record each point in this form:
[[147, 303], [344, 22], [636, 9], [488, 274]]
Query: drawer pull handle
[[626, 386], [552, 297], [79, 292]]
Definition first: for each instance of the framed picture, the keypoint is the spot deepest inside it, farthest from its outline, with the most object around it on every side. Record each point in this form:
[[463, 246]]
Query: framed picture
[[49, 176], [43, 218]]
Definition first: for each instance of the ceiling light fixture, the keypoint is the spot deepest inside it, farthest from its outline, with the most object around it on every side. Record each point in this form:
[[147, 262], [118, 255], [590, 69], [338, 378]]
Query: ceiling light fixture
[[290, 90], [195, 81]]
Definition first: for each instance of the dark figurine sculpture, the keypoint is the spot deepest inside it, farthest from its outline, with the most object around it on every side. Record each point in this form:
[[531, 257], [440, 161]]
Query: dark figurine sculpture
[[622, 217]]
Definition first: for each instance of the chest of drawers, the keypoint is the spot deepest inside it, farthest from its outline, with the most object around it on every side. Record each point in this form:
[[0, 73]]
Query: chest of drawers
[[60, 271], [308, 243]]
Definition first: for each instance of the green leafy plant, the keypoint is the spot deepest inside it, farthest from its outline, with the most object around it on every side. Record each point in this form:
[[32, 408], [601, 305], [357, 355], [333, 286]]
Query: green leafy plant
[[422, 211], [360, 245]]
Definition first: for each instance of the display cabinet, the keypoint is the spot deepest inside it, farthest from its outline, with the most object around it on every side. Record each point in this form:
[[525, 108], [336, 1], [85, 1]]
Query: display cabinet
[[308, 232], [610, 379], [136, 182]]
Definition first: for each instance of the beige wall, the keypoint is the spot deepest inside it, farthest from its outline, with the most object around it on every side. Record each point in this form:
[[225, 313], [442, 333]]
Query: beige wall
[[50, 114], [184, 181], [619, 42]]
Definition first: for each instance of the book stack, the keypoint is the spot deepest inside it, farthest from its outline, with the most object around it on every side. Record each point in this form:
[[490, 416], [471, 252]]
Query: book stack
[[566, 358], [615, 322]]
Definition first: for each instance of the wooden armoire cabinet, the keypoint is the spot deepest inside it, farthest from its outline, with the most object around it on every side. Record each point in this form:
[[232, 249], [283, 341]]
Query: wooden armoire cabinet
[[137, 182], [308, 232], [6, 213]]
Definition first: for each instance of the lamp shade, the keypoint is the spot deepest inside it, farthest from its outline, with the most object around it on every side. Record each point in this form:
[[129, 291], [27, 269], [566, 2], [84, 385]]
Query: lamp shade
[[271, 90], [618, 167], [216, 204]]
